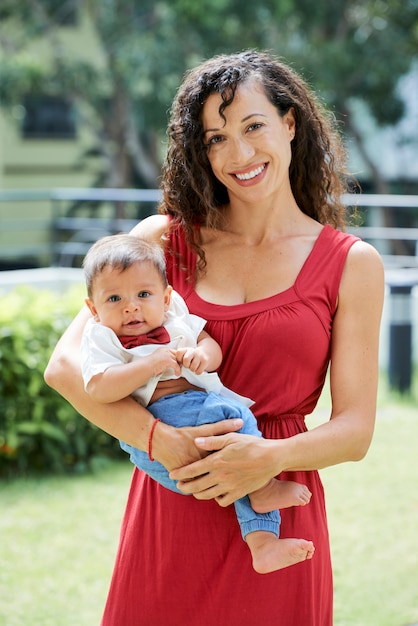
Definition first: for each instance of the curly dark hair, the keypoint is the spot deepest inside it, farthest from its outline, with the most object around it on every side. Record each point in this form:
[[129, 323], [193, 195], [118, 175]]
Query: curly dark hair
[[191, 193]]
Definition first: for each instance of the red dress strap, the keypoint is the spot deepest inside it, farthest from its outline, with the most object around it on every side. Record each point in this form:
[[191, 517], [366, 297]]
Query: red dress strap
[[180, 261], [327, 259]]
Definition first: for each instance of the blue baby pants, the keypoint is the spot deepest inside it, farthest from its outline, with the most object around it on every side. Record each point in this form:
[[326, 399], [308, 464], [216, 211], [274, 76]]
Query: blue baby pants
[[194, 408]]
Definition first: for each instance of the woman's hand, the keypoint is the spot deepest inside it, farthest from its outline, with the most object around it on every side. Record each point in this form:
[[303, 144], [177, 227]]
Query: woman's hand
[[175, 447], [240, 465]]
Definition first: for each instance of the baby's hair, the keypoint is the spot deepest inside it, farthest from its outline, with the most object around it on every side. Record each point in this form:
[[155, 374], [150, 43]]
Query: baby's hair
[[120, 252]]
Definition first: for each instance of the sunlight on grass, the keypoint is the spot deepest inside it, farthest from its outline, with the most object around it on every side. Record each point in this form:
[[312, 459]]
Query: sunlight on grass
[[59, 538], [373, 515], [373, 520]]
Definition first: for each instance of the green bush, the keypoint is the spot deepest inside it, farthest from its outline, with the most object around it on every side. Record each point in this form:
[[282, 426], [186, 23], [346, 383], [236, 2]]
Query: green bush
[[39, 430]]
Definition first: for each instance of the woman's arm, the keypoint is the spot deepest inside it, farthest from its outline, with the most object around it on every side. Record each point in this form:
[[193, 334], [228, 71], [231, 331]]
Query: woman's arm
[[125, 419], [245, 463]]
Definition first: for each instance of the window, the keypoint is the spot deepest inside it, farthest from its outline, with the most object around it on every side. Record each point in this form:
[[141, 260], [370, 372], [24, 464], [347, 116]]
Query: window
[[48, 117]]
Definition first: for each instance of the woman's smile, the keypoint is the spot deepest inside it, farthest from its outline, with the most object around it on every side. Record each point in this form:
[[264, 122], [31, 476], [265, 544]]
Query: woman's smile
[[251, 176]]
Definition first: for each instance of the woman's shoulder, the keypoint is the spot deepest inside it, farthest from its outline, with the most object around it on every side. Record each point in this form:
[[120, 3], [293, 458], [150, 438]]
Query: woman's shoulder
[[358, 255], [364, 253], [153, 228], [362, 257], [363, 278]]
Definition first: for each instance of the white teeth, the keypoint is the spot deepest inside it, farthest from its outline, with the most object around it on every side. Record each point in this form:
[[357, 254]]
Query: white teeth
[[251, 174]]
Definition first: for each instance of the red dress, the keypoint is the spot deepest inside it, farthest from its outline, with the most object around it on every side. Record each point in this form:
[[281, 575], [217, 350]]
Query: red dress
[[182, 562]]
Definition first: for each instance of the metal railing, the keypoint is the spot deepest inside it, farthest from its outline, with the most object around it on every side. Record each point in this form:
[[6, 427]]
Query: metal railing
[[70, 220], [57, 226], [382, 236], [67, 220]]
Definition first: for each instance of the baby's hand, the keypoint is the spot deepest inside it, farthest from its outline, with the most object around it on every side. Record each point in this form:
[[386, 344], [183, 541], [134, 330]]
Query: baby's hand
[[193, 358], [164, 358]]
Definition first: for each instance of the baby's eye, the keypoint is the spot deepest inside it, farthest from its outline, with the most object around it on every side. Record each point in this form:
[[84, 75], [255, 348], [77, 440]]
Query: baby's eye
[[114, 298], [143, 294]]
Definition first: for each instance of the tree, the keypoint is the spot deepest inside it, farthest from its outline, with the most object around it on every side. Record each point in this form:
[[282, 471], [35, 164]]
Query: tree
[[357, 50], [105, 89], [347, 49], [123, 94]]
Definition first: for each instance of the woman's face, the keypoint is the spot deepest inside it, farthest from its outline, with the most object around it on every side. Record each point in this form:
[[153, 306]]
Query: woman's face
[[249, 151]]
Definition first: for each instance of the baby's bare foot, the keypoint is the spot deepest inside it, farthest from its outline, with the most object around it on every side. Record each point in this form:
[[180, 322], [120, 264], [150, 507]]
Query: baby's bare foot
[[279, 494], [270, 553]]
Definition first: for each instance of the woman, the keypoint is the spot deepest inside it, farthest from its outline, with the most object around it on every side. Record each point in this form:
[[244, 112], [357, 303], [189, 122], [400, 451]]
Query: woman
[[249, 222]]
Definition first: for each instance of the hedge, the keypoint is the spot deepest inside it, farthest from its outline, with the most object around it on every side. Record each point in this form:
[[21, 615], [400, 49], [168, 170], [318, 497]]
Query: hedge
[[39, 430]]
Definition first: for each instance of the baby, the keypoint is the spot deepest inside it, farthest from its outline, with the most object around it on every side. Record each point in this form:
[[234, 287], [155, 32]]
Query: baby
[[142, 341]]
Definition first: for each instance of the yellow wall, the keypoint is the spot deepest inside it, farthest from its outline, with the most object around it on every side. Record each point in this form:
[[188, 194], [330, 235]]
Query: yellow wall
[[27, 163], [42, 163]]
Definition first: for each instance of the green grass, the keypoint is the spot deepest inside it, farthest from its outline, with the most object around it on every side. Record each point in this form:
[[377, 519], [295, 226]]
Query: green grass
[[59, 537], [373, 520], [59, 534]]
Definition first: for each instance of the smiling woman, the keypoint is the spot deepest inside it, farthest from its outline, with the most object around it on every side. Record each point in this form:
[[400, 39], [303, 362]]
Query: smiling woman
[[242, 146], [251, 226]]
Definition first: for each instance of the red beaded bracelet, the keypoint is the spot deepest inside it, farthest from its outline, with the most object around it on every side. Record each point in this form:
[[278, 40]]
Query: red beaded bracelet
[[151, 432]]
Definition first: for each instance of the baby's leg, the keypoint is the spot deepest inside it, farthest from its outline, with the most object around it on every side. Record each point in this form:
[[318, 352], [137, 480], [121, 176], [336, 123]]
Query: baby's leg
[[279, 494], [176, 410], [269, 553]]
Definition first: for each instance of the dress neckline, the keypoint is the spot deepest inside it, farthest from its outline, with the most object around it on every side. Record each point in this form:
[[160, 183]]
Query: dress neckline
[[256, 306]]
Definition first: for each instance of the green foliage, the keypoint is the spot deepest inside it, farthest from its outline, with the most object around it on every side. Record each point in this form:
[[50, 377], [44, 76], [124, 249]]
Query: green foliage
[[358, 49], [347, 50], [39, 430]]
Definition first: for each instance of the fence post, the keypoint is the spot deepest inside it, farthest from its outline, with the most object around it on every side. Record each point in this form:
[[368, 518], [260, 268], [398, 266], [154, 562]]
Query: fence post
[[400, 339], [400, 282]]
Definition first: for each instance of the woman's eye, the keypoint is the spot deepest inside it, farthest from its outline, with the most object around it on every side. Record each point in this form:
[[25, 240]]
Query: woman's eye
[[255, 126], [214, 139]]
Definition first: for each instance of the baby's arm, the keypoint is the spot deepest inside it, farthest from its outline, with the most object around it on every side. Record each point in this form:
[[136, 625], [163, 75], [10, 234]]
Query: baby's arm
[[205, 357], [120, 381]]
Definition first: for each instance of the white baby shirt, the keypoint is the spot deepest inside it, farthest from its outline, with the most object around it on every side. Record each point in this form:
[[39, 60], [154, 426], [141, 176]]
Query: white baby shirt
[[101, 348]]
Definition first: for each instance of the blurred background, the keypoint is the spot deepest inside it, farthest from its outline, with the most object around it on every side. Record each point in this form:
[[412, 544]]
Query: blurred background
[[86, 85]]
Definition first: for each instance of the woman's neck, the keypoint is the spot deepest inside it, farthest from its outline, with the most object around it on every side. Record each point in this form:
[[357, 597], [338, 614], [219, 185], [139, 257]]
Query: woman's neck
[[263, 222]]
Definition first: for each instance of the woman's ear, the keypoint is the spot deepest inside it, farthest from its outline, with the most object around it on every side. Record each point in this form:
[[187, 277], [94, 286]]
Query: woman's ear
[[290, 121]]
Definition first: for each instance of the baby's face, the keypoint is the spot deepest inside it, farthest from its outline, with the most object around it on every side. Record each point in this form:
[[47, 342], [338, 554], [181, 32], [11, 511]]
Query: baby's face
[[130, 302]]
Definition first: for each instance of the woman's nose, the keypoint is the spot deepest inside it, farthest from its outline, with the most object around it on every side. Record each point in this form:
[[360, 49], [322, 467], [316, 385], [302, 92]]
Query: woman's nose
[[241, 150]]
